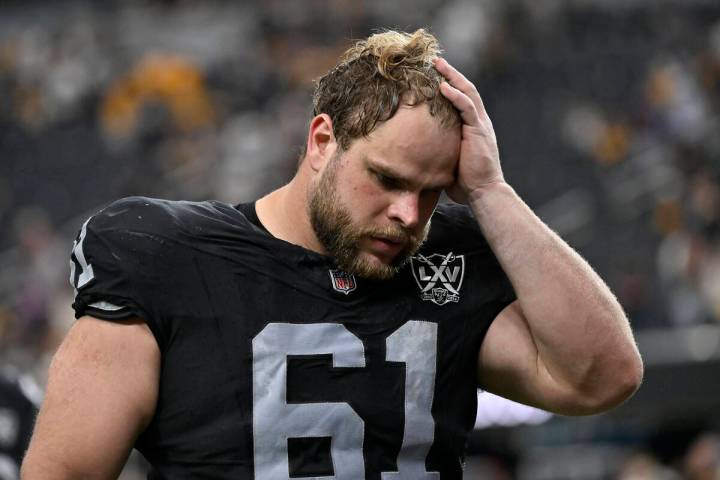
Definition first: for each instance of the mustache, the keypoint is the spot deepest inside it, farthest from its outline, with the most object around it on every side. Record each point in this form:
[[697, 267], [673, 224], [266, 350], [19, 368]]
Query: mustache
[[395, 234]]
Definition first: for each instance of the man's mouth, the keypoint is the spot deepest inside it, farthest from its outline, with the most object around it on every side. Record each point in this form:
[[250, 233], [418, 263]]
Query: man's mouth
[[387, 246]]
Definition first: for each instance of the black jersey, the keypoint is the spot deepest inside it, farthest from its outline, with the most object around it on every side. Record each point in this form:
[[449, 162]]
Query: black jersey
[[276, 365]]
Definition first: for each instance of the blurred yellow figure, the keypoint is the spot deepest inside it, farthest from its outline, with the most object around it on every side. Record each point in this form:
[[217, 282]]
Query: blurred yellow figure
[[167, 79]]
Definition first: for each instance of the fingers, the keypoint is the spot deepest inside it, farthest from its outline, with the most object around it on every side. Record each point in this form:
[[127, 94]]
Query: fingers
[[460, 82], [462, 102]]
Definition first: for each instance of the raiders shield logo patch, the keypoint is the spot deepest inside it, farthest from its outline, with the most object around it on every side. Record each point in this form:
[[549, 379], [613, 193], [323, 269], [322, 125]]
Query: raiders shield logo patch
[[439, 276], [342, 282]]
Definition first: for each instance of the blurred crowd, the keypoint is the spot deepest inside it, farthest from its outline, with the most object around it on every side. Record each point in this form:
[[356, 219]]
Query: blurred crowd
[[700, 461], [607, 115]]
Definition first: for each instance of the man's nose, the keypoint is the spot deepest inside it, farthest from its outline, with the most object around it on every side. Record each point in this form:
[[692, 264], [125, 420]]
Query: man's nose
[[405, 209]]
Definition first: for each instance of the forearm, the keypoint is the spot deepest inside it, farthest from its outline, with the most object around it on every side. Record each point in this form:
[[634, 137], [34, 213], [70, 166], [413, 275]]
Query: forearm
[[582, 336]]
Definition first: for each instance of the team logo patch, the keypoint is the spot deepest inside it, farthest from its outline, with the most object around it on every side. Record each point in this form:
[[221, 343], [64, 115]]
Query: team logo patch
[[343, 282], [439, 276]]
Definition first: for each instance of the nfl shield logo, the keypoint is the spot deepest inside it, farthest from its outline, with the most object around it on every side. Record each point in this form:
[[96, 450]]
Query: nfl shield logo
[[342, 282], [439, 277]]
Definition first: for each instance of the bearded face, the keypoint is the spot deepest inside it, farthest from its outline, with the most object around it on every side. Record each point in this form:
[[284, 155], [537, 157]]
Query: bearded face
[[342, 237]]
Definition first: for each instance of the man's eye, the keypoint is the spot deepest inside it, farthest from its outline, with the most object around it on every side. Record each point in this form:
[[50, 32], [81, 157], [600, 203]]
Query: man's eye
[[387, 182]]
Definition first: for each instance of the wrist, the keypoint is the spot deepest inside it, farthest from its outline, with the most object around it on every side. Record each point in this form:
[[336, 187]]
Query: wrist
[[482, 193], [493, 201]]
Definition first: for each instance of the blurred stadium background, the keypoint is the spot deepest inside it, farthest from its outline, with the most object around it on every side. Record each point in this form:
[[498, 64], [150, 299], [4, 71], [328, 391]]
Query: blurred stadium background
[[607, 115]]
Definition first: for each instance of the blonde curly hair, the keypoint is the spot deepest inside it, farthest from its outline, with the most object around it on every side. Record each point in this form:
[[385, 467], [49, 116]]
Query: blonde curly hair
[[377, 75]]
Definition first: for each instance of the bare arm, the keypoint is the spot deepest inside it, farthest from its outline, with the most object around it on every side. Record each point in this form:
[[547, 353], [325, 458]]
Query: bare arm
[[101, 394], [565, 345]]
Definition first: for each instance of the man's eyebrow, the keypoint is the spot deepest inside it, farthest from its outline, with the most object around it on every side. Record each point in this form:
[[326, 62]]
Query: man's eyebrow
[[385, 170]]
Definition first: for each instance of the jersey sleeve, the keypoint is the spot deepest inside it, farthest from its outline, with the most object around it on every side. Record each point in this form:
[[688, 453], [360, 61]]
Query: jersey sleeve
[[116, 265]]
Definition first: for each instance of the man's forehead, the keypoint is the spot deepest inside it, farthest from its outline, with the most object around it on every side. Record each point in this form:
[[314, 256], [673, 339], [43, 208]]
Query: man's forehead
[[415, 117], [415, 131]]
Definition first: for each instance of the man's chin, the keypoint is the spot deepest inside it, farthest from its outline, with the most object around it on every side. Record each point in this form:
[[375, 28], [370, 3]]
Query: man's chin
[[375, 267]]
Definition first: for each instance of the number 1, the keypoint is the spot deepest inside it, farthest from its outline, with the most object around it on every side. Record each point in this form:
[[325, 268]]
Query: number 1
[[415, 343]]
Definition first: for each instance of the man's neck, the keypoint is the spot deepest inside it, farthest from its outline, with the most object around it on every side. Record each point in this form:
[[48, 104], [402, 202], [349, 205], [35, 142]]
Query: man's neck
[[284, 214]]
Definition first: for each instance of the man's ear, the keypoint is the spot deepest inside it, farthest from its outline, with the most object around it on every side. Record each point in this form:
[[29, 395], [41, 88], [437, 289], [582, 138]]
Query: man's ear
[[321, 144]]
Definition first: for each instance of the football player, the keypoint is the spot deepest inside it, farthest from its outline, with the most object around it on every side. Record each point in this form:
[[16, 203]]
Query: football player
[[339, 326], [19, 401]]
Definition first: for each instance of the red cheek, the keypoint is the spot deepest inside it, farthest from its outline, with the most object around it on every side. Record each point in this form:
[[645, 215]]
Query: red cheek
[[369, 189], [371, 198]]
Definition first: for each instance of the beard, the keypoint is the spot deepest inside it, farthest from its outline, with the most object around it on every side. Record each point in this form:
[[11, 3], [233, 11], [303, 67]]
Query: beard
[[340, 237]]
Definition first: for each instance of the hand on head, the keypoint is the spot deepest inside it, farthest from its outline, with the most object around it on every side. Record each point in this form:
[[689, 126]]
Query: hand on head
[[479, 164]]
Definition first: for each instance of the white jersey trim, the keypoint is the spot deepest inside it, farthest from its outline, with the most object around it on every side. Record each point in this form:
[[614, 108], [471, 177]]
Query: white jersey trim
[[107, 306]]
